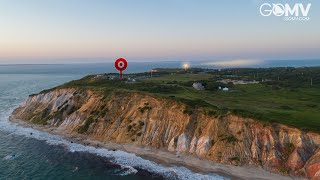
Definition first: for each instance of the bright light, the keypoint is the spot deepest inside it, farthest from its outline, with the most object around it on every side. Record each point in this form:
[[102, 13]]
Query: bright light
[[185, 66]]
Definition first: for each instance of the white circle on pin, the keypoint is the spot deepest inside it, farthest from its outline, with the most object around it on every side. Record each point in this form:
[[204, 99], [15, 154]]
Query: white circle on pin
[[121, 64]]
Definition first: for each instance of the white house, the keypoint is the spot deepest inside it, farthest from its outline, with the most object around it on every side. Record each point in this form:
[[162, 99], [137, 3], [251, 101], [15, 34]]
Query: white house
[[198, 86], [225, 89], [131, 80]]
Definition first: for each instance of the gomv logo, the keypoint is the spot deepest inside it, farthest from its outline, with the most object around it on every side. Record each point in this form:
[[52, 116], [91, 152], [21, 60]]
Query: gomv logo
[[278, 9]]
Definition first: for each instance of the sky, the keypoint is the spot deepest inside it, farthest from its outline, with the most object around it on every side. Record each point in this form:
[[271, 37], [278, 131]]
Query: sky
[[55, 31]]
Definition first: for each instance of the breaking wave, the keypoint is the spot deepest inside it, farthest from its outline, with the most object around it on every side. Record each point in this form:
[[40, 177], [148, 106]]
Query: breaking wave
[[129, 162]]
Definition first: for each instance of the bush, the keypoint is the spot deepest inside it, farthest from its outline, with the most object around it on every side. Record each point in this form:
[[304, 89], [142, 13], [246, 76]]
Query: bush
[[286, 107], [129, 128], [141, 123], [229, 138], [235, 158], [84, 128], [145, 108]]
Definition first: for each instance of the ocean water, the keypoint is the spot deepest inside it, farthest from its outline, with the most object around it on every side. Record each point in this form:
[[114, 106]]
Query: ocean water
[[43, 156], [26, 153]]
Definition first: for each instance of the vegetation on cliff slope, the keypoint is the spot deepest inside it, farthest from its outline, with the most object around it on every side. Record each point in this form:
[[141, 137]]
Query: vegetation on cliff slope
[[284, 95]]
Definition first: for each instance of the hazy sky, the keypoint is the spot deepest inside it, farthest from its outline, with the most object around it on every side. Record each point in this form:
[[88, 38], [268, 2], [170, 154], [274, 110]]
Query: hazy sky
[[54, 31]]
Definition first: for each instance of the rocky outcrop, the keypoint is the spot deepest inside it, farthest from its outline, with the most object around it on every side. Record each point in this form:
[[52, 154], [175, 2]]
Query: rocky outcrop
[[161, 123]]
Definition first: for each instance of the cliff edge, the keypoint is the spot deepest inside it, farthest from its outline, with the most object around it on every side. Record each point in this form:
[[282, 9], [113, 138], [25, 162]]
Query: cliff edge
[[144, 119]]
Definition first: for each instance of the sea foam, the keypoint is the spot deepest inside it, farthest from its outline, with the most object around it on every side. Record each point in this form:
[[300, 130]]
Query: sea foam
[[128, 161]]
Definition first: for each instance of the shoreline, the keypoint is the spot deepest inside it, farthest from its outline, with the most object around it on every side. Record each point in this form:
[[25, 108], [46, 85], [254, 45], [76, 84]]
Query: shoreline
[[164, 157]]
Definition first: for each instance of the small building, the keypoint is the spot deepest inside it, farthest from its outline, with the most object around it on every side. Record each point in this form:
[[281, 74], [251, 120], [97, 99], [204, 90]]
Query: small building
[[101, 76], [198, 86], [225, 89], [235, 82], [131, 80]]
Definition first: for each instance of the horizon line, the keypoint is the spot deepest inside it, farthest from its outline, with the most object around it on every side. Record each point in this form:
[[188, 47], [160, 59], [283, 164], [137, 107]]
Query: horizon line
[[137, 61]]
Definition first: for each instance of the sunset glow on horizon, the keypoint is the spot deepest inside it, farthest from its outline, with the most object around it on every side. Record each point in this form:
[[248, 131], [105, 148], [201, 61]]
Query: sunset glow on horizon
[[180, 30]]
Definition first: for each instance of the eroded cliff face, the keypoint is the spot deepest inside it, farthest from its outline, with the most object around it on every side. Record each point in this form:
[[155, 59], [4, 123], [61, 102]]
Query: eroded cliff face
[[152, 121]]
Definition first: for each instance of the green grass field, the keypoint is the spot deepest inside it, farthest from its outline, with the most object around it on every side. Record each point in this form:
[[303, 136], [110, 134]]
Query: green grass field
[[179, 78], [298, 107]]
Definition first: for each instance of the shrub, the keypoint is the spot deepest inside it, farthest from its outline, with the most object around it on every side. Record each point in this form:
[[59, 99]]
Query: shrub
[[129, 128], [145, 108], [286, 107], [141, 123], [288, 150], [235, 158], [229, 138], [84, 128]]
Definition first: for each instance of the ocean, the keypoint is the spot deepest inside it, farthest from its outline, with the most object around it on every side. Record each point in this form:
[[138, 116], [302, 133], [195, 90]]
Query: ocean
[[27, 153]]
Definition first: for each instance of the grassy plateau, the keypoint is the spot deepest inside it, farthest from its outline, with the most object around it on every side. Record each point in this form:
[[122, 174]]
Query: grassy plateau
[[289, 96]]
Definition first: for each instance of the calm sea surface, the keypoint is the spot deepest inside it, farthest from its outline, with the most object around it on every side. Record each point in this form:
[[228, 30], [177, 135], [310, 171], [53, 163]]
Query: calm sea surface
[[43, 156]]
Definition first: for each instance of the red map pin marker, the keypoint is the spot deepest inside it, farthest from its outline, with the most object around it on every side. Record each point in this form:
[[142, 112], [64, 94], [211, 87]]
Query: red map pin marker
[[121, 64]]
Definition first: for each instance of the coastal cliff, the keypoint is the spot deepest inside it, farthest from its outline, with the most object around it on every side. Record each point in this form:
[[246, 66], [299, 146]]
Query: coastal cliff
[[144, 119]]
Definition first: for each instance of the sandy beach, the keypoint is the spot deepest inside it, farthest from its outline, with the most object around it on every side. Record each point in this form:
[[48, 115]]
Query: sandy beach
[[166, 158]]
